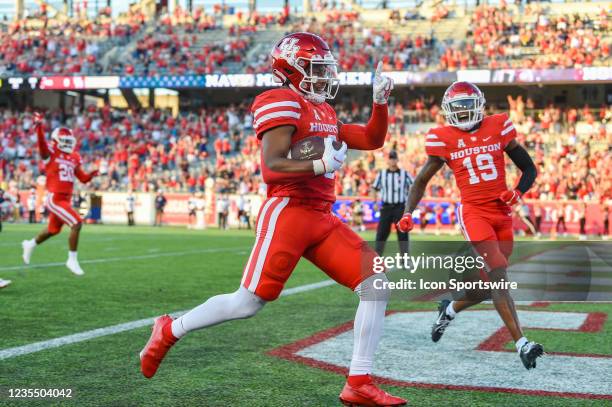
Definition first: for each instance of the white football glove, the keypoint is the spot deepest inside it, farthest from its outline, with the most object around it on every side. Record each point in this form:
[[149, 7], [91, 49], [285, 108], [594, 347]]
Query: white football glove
[[382, 86], [332, 159]]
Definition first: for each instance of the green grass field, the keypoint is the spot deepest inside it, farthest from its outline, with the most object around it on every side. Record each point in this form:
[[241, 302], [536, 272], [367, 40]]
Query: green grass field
[[143, 272]]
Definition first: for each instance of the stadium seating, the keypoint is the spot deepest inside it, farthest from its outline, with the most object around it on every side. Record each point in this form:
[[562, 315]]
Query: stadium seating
[[151, 149], [501, 36]]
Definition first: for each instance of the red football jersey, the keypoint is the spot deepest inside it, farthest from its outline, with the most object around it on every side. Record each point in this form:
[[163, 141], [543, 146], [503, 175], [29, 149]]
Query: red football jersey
[[476, 157], [282, 107], [61, 170]]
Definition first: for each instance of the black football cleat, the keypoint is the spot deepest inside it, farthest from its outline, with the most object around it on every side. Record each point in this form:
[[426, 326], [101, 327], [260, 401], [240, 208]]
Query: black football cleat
[[437, 330], [529, 353]]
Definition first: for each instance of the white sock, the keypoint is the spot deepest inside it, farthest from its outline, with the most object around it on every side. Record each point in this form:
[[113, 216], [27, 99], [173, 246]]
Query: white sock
[[520, 343], [450, 311], [72, 256], [220, 308], [177, 328], [368, 327], [32, 242]]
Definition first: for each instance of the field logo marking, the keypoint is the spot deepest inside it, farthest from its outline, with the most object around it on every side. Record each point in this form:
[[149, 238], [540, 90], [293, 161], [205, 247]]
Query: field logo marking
[[471, 356]]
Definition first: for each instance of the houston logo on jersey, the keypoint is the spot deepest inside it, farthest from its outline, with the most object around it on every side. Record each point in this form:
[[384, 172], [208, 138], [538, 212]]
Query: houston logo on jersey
[[475, 150], [323, 127]]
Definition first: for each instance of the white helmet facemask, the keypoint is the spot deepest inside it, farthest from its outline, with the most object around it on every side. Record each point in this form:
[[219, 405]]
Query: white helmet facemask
[[463, 112], [64, 140], [321, 81]]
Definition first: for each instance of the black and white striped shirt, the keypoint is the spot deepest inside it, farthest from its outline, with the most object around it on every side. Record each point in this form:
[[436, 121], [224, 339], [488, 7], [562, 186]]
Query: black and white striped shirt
[[393, 186]]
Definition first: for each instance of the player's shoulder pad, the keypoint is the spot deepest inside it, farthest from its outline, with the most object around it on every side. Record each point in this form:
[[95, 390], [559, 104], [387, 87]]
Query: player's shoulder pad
[[275, 95], [437, 133], [501, 119], [435, 142]]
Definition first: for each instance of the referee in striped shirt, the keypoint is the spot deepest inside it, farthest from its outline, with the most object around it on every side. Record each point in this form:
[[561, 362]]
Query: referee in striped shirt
[[392, 184]]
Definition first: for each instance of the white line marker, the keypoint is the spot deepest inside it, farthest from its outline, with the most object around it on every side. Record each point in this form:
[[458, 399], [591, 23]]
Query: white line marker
[[128, 326], [127, 258]]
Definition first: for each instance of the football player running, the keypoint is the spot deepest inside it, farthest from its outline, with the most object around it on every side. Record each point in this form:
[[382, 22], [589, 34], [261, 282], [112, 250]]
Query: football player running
[[296, 219], [473, 146], [62, 166]]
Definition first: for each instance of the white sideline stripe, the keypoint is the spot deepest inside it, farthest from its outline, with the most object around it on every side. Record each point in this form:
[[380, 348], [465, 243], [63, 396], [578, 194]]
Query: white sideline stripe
[[127, 326], [111, 259]]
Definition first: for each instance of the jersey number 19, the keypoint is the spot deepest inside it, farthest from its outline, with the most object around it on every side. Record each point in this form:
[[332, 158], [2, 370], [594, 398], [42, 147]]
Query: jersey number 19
[[486, 168]]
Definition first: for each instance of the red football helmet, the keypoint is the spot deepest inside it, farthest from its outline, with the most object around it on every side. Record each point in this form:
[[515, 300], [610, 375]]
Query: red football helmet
[[463, 105], [63, 139], [304, 62]]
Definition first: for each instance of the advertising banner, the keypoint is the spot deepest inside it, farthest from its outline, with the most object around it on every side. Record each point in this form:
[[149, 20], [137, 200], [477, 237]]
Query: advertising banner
[[114, 208], [262, 80]]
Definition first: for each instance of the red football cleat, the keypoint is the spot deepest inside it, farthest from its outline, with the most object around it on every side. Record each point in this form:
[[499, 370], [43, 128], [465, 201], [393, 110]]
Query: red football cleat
[[368, 394], [159, 344]]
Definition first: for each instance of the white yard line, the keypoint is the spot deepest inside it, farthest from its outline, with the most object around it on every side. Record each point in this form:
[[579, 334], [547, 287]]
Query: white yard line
[[128, 326], [124, 258]]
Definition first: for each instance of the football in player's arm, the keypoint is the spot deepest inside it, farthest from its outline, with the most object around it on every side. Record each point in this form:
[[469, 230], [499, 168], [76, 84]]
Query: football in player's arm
[[62, 166], [473, 146]]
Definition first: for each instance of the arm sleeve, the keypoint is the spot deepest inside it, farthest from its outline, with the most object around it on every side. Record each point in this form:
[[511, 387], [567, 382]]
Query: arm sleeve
[[520, 157], [83, 176], [43, 147], [277, 107], [372, 135]]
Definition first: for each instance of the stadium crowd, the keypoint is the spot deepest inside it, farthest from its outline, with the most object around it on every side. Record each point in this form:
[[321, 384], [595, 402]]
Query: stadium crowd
[[51, 46], [501, 36], [507, 37], [150, 149]]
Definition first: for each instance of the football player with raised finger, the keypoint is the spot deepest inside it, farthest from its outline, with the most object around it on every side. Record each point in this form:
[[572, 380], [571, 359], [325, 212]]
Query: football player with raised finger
[[303, 145]]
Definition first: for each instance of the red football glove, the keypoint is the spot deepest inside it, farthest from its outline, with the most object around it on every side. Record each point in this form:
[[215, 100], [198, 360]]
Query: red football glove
[[405, 224], [511, 198], [94, 173]]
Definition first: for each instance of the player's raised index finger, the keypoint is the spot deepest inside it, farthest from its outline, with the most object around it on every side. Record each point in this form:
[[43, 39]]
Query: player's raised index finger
[[379, 68]]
